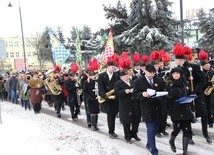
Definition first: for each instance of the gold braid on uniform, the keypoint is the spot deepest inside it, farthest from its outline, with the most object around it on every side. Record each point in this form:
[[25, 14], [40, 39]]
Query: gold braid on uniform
[[36, 83]]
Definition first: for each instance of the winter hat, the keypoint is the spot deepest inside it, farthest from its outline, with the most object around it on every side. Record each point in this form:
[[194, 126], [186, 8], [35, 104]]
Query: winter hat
[[177, 69], [203, 57], [150, 68]]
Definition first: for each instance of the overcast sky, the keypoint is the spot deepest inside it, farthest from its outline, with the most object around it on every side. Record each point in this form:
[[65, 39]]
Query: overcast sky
[[37, 14]]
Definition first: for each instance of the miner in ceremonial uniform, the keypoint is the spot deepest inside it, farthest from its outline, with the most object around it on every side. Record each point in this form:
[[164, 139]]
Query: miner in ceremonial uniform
[[106, 81], [137, 66], [208, 72], [71, 87], [150, 106], [196, 79], [89, 92], [129, 111]]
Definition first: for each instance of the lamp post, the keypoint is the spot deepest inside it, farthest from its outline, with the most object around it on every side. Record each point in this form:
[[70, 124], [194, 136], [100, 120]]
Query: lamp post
[[181, 22], [23, 41]]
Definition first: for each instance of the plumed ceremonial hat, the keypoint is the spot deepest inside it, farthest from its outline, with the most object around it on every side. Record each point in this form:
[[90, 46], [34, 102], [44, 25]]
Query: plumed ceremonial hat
[[203, 57]]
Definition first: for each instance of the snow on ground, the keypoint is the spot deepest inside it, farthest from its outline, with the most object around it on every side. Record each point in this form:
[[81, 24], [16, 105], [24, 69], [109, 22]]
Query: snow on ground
[[23, 132]]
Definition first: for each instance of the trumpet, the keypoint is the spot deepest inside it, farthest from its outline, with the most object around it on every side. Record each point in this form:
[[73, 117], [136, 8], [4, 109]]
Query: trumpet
[[52, 84], [209, 89], [110, 96]]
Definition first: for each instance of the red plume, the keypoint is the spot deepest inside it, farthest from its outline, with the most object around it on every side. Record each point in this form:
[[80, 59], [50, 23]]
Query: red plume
[[124, 54], [93, 65], [145, 58], [187, 50], [189, 57], [178, 50], [166, 57], [154, 56], [203, 55], [136, 57], [57, 68], [115, 58], [74, 68], [124, 63], [161, 53]]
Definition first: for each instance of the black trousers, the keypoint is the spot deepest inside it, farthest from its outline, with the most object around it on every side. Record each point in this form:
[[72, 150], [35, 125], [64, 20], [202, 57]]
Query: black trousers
[[111, 122], [130, 130], [58, 102], [184, 125]]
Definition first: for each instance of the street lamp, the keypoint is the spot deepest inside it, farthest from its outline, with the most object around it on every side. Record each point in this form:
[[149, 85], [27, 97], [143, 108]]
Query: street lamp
[[181, 22], [23, 41]]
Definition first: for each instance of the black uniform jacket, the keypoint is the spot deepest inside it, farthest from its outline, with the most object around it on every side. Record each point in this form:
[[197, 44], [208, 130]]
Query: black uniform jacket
[[71, 90], [176, 90], [90, 96], [150, 107], [198, 85], [105, 85], [129, 111]]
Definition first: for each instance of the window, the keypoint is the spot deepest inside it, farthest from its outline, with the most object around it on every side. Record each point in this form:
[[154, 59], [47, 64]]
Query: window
[[17, 54], [16, 44], [11, 44], [29, 54], [12, 54]]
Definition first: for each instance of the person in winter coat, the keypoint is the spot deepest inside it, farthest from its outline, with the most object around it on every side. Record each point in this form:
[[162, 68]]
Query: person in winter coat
[[150, 106], [129, 111], [181, 114]]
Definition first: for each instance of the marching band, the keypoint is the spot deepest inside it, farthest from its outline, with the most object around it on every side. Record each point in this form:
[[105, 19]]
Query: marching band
[[122, 90]]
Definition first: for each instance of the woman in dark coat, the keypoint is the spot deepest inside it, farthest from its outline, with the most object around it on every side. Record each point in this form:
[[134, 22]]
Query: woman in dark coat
[[90, 99], [129, 111], [180, 114]]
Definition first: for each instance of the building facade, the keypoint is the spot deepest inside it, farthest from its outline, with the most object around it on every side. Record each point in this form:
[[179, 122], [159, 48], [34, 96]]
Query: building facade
[[15, 56]]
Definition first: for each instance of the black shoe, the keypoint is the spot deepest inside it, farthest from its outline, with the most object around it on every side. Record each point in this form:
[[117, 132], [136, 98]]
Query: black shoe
[[191, 142], [128, 140], [165, 133], [113, 135], [59, 115], [147, 147], [211, 125], [159, 135], [208, 139], [136, 138], [89, 125]]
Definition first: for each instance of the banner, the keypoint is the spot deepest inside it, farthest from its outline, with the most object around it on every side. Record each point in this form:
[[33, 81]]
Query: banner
[[109, 48], [78, 51], [59, 52]]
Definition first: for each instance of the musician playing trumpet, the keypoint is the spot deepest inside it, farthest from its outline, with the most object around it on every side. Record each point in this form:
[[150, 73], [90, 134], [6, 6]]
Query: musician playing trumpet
[[208, 72], [106, 81]]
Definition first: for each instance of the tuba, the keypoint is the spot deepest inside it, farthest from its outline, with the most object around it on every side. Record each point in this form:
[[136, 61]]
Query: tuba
[[52, 84], [110, 95], [209, 89]]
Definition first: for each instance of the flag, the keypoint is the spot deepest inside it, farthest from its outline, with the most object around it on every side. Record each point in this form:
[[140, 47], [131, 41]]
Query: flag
[[103, 38], [59, 52], [78, 51], [109, 48]]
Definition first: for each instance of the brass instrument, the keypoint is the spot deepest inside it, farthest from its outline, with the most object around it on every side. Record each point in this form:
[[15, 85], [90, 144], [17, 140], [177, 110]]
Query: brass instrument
[[110, 96], [209, 89], [52, 84]]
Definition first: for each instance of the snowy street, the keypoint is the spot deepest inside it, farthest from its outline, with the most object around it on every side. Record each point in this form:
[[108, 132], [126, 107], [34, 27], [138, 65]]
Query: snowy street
[[23, 132]]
